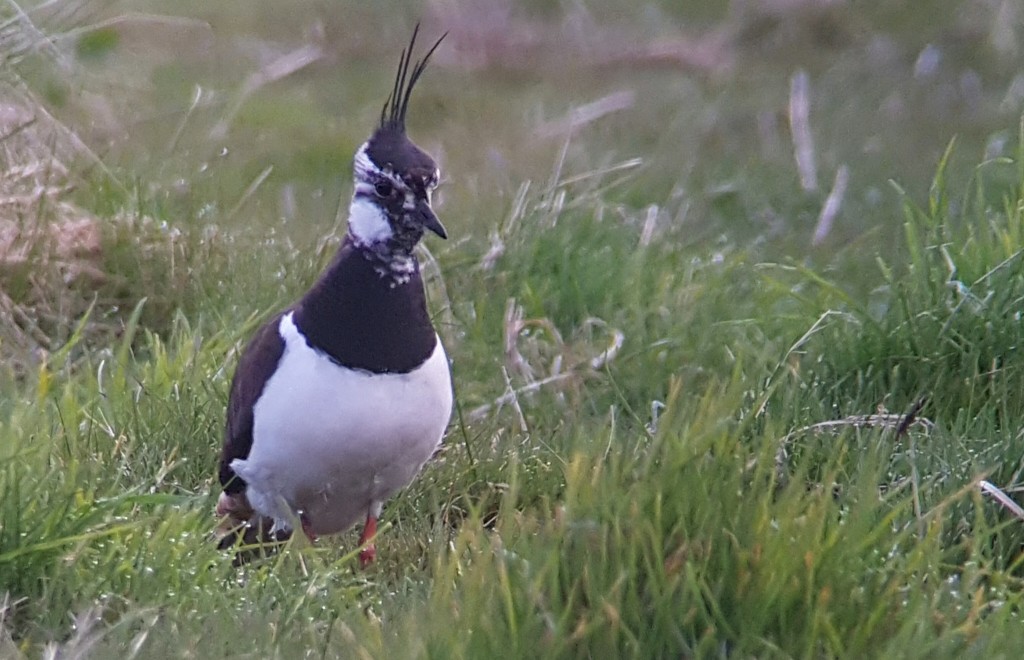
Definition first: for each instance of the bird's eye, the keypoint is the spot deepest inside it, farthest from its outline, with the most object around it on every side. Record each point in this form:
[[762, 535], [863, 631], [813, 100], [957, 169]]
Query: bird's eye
[[383, 189]]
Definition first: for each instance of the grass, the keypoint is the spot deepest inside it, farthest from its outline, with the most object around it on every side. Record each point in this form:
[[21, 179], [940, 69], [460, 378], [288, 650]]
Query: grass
[[681, 430]]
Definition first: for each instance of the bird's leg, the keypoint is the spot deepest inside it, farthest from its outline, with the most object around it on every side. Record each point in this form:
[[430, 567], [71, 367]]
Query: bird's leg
[[369, 551], [307, 527]]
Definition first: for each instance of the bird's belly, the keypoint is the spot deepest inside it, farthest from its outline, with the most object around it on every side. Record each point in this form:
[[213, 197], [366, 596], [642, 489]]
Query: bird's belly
[[331, 442]]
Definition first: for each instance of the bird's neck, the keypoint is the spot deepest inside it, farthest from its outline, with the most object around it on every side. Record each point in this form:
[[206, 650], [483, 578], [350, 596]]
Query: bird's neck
[[368, 310], [392, 259]]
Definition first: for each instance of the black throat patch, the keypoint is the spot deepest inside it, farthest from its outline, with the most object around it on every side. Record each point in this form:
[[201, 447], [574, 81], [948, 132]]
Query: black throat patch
[[363, 320]]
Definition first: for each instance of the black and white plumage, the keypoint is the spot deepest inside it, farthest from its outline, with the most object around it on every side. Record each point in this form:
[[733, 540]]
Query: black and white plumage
[[338, 401]]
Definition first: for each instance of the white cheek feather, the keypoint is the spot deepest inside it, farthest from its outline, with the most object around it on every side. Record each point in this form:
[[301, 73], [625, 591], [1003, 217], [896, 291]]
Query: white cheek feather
[[364, 171], [366, 222], [362, 163]]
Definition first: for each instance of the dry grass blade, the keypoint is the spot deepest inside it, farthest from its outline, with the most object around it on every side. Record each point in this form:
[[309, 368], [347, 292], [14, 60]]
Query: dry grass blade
[[279, 68], [833, 203], [20, 35], [513, 397], [600, 173], [506, 228], [8, 649], [63, 142], [197, 97], [139, 18], [494, 252], [566, 363], [250, 190], [589, 112], [800, 127], [891, 421], [480, 412], [514, 326], [495, 34], [88, 633], [47, 243], [615, 342], [897, 423], [1000, 496], [22, 331], [650, 225]]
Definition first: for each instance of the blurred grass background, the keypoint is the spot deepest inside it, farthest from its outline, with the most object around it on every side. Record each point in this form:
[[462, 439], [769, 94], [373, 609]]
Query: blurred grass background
[[714, 399]]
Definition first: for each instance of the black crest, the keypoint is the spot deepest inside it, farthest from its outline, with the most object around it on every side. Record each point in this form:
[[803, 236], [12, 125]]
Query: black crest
[[393, 114]]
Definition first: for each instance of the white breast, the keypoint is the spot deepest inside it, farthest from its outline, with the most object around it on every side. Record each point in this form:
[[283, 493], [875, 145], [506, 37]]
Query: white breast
[[333, 442]]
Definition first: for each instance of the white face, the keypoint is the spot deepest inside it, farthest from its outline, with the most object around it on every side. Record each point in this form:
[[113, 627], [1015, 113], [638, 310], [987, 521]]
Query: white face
[[366, 220]]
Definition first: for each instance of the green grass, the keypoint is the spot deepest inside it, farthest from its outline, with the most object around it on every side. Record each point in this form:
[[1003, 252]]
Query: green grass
[[590, 532], [701, 457]]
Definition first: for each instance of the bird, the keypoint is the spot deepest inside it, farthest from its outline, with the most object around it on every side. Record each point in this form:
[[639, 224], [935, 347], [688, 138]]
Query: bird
[[340, 399]]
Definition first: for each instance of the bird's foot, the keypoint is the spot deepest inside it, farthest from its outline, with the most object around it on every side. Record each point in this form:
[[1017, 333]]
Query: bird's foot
[[367, 555]]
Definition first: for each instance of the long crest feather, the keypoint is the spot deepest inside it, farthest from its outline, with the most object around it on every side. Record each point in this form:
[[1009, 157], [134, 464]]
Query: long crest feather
[[397, 104]]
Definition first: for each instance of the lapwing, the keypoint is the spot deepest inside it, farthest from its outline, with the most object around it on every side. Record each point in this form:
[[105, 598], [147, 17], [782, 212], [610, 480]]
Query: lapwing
[[338, 401]]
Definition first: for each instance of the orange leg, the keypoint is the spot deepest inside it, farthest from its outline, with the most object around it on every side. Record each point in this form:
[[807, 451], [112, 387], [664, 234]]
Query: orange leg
[[369, 551]]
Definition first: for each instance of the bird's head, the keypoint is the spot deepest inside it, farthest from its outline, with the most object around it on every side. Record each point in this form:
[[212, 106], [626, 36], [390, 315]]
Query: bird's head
[[393, 177]]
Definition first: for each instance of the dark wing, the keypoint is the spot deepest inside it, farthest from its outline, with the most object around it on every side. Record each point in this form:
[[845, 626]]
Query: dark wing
[[258, 361]]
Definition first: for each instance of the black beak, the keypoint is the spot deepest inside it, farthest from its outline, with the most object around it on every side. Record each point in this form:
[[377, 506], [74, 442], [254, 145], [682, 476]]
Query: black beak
[[426, 217]]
